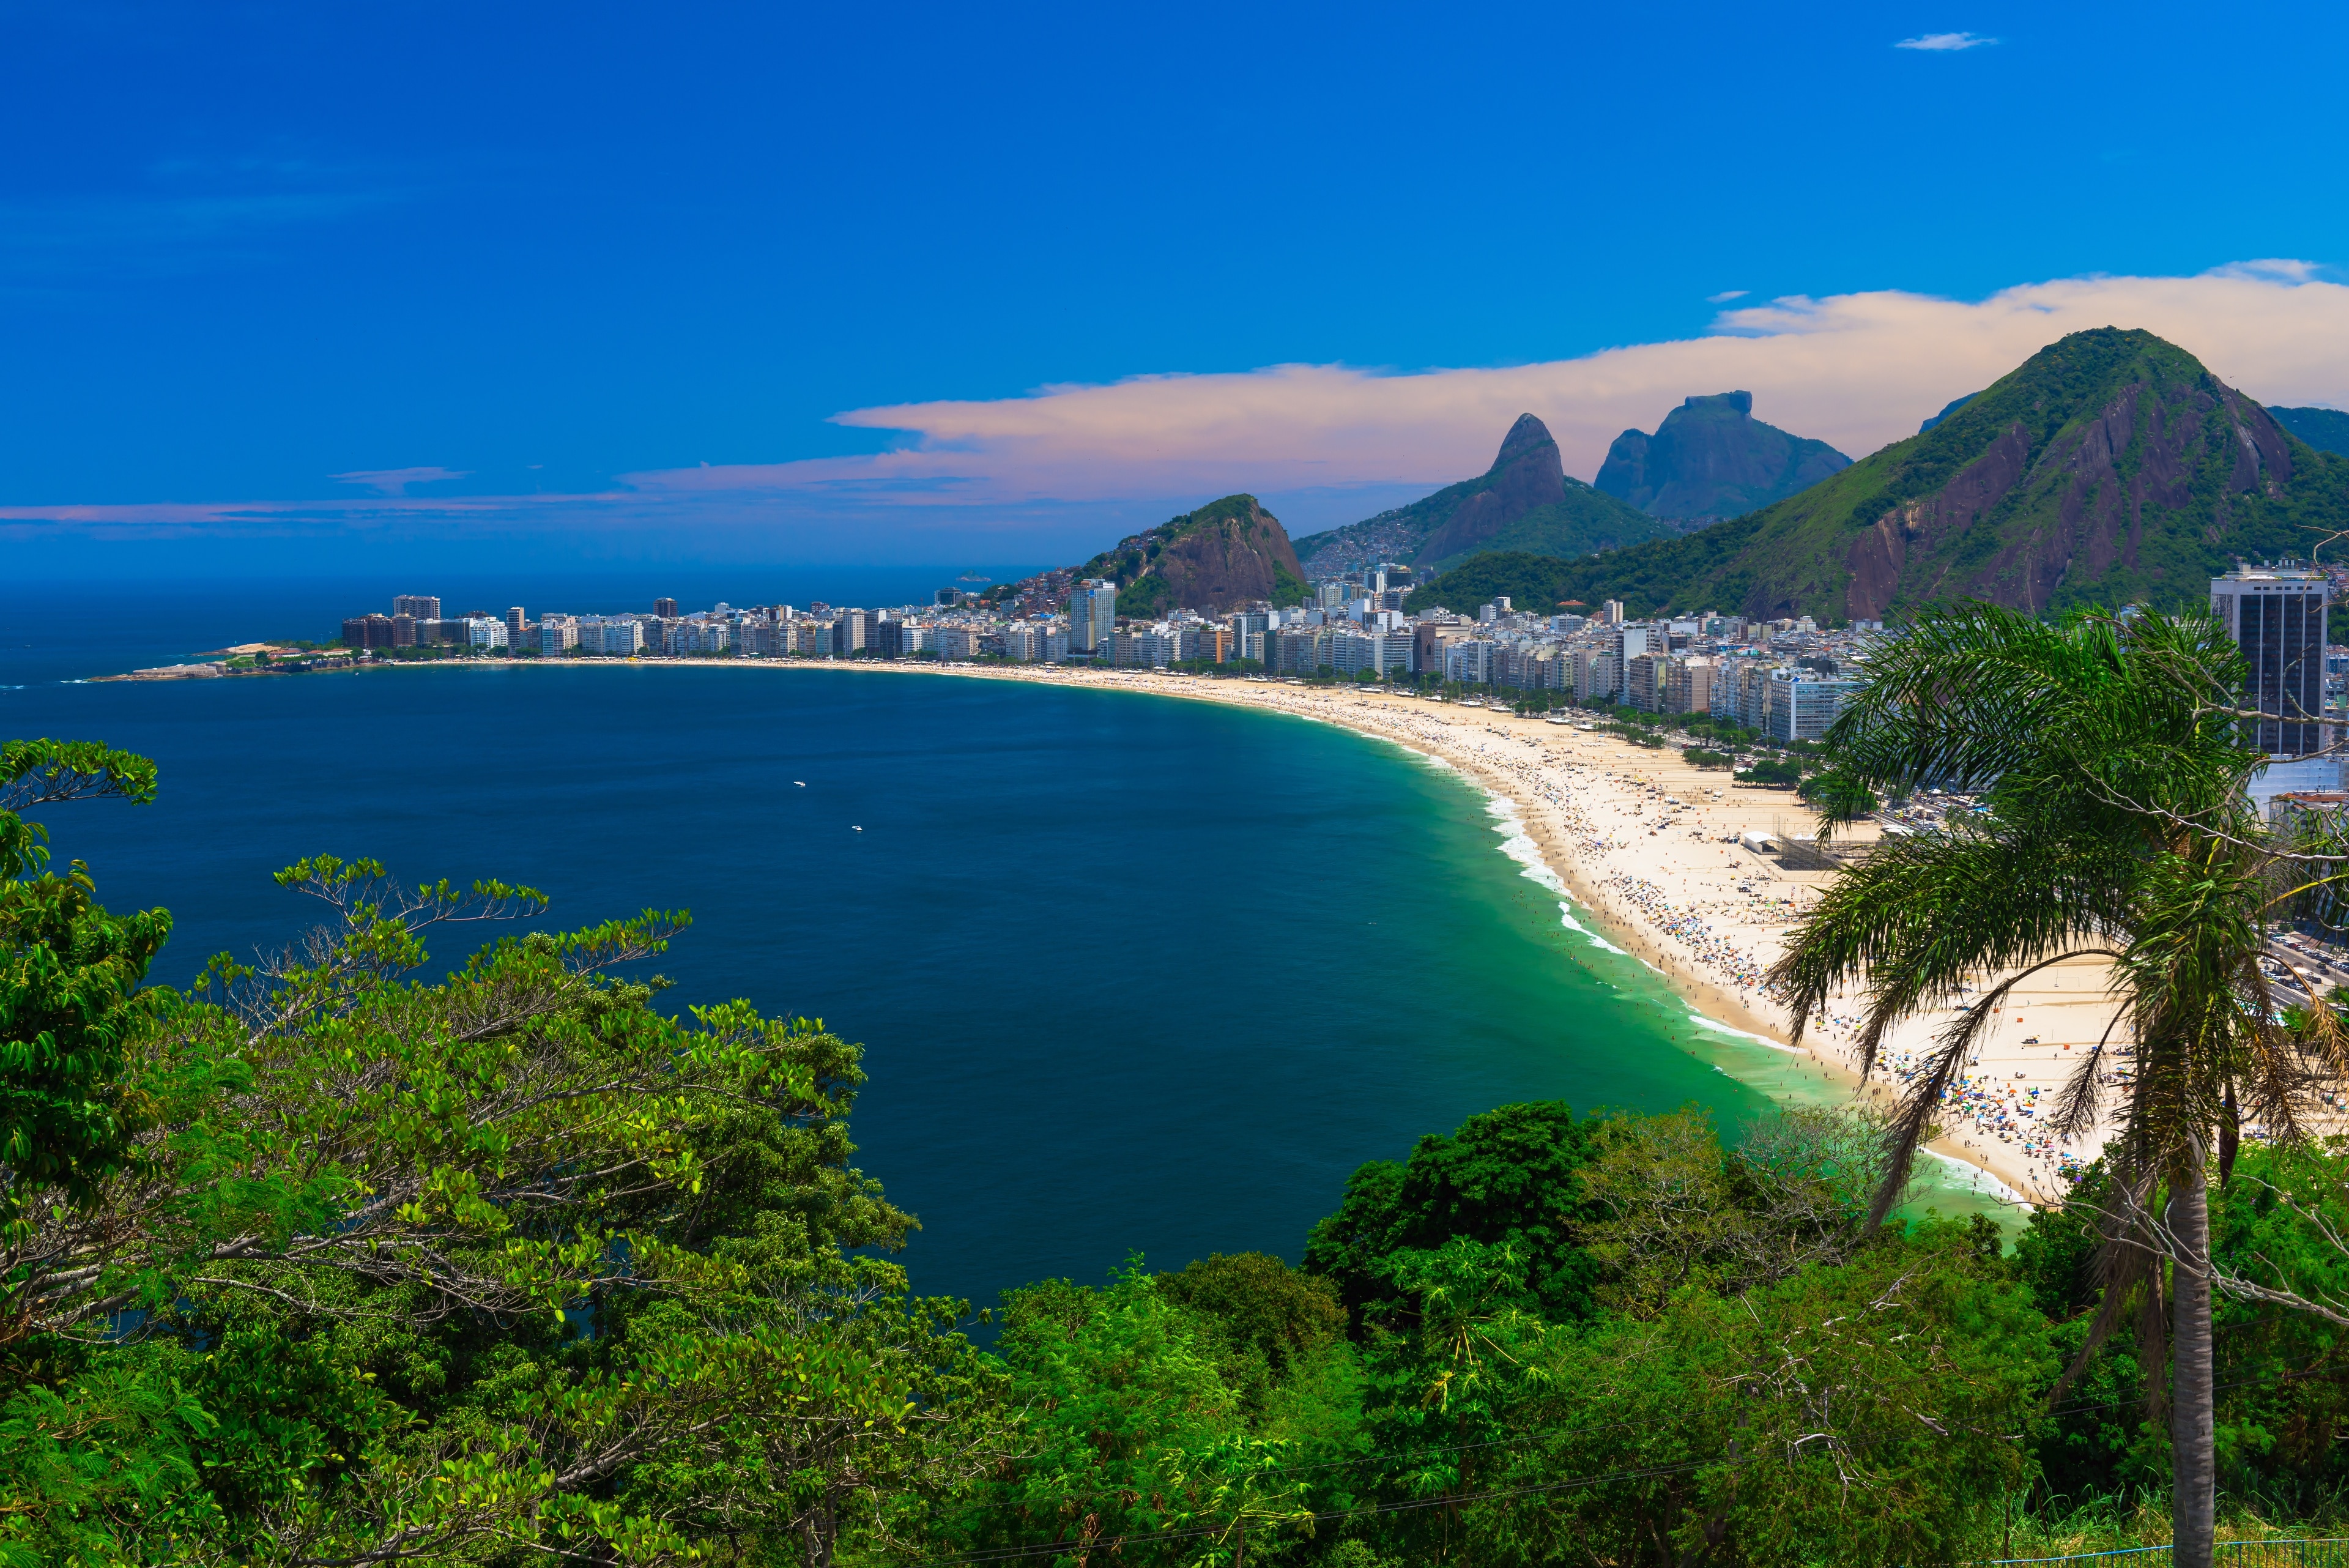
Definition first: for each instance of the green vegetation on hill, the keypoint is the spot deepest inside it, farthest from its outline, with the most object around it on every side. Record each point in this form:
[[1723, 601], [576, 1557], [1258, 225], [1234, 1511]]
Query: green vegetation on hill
[[1227, 552], [1585, 523], [1532, 582], [2110, 467], [1526, 501], [2326, 430]]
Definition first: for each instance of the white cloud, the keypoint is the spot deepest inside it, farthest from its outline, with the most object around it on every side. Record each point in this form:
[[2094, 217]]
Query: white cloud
[[1938, 41], [1856, 370], [1071, 467], [395, 481], [1726, 295]]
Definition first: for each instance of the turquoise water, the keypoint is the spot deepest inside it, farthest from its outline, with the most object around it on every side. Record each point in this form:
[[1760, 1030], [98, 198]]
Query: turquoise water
[[1133, 973]]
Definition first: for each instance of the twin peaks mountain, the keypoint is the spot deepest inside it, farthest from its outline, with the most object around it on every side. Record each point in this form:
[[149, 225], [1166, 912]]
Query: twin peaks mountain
[[1526, 501], [2109, 468], [1710, 459]]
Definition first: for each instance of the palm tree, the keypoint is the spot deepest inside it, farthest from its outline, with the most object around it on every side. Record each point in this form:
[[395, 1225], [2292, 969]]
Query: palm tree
[[2112, 759]]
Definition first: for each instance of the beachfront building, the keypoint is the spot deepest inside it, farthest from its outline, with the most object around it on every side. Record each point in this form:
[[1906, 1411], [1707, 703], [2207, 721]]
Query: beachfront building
[[858, 630], [1470, 662], [620, 635], [1299, 649], [368, 631], [700, 637], [485, 631], [416, 607], [1598, 677], [2276, 615], [1643, 679], [556, 634], [1093, 617], [1210, 643], [1352, 653], [1798, 705], [1687, 686]]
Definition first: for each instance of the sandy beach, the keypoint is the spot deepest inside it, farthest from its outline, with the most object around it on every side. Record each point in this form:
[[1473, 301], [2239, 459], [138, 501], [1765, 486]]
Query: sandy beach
[[1652, 849]]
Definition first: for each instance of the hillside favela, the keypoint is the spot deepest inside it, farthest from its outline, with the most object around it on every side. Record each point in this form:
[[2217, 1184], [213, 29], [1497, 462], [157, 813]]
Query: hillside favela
[[1691, 912]]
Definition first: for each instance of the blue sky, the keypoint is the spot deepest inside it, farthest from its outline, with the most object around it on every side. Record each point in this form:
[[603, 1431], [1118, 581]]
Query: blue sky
[[247, 248]]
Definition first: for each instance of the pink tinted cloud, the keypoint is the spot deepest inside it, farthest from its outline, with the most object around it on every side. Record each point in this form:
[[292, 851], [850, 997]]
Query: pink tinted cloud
[[1856, 370]]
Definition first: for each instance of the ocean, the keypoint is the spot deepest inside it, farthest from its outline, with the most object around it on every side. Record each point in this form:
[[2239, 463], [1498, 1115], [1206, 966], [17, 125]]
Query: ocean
[[1132, 974]]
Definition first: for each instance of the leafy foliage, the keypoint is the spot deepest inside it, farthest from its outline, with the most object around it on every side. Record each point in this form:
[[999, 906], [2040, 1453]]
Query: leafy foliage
[[385, 1268]]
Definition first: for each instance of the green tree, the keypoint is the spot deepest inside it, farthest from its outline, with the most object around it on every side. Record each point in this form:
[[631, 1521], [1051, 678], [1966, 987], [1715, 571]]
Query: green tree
[[2113, 760], [1129, 1445], [1861, 1412], [1512, 1175], [70, 985], [359, 1266]]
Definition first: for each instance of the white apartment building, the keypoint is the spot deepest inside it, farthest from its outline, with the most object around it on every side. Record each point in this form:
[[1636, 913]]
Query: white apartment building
[[1799, 706], [1596, 675], [1470, 660], [484, 631]]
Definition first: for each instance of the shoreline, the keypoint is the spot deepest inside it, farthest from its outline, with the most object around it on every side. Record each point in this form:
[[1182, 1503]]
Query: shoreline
[[1470, 743]]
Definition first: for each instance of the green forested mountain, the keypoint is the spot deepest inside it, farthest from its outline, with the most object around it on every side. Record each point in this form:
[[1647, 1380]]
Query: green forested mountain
[[1526, 501], [1539, 583], [2110, 467], [1712, 458], [1229, 552], [2327, 430]]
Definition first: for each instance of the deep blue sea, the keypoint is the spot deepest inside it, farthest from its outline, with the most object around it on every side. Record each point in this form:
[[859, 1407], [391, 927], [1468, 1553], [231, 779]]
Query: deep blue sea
[[1132, 974]]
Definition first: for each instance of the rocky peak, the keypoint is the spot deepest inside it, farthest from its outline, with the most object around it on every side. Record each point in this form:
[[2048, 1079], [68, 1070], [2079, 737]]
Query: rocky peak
[[1528, 434], [1712, 458]]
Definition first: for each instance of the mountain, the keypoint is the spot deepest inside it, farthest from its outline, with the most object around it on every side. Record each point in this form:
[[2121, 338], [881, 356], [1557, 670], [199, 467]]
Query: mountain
[[2326, 430], [1536, 583], [1227, 554], [1952, 407], [2108, 468], [1712, 458], [1526, 501]]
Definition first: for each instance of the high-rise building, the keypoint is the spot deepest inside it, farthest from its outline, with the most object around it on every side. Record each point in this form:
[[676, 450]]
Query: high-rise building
[[420, 606], [1799, 706], [1093, 617], [515, 621], [1687, 686], [665, 608], [1643, 681], [368, 631], [2276, 616]]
